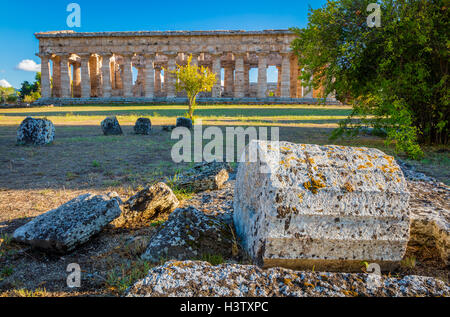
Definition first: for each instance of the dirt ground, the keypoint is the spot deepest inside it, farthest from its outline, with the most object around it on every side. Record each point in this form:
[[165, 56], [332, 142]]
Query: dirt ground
[[34, 180]]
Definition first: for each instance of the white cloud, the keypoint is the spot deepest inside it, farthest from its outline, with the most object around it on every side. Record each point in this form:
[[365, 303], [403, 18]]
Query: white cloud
[[29, 66], [4, 83]]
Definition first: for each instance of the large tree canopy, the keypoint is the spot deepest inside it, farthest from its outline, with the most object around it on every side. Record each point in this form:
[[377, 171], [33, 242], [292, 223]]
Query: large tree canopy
[[395, 75]]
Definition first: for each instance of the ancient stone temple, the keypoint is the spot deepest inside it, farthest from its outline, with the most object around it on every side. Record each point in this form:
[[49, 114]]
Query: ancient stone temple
[[98, 67]]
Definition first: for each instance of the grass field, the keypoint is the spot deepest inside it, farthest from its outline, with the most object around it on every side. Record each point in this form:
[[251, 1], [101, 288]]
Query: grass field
[[34, 179], [82, 158]]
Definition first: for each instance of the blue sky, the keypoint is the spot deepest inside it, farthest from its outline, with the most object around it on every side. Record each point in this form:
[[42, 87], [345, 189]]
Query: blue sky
[[19, 20]]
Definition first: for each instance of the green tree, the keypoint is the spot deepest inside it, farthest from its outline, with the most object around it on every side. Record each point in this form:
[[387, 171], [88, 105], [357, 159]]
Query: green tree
[[193, 80], [32, 89], [395, 76], [8, 94]]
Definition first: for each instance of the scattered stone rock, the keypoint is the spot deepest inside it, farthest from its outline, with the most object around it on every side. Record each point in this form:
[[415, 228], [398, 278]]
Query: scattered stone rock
[[146, 205], [184, 122], [168, 127], [191, 234], [111, 126], [63, 229], [200, 279], [430, 212], [430, 218], [35, 131], [325, 206], [143, 126], [204, 176]]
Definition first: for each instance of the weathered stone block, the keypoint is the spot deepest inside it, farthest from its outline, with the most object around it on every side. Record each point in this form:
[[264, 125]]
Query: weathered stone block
[[35, 131], [146, 205], [62, 229], [143, 126], [204, 176], [325, 206], [190, 234], [111, 126], [200, 279]]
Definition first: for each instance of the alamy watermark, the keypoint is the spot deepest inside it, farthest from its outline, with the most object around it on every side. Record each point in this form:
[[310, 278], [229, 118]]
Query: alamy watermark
[[374, 18], [191, 147], [74, 18], [74, 278]]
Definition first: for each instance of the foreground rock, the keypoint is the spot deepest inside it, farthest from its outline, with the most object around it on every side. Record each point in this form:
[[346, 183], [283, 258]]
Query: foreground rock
[[111, 126], [184, 122], [35, 131], [204, 176], [191, 234], [63, 229], [430, 218], [196, 279], [143, 126], [146, 205], [330, 207]]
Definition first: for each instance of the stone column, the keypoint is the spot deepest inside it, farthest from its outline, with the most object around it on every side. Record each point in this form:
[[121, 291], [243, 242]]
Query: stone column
[[170, 78], [95, 75], [294, 75], [239, 76], [246, 80], [76, 81], [45, 76], [157, 79], [285, 76], [149, 75], [229, 81], [278, 93], [56, 77], [106, 75], [216, 69], [65, 77], [299, 83], [262, 75], [85, 77], [127, 76]]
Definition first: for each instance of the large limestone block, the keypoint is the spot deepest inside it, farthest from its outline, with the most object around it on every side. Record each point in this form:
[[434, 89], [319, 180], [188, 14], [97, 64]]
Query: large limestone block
[[330, 207], [62, 229], [200, 279]]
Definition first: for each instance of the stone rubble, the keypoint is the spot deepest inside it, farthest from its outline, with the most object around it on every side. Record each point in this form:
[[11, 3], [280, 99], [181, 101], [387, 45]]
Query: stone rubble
[[430, 213], [111, 126], [63, 229], [146, 205], [204, 176], [35, 131], [325, 206], [191, 234], [143, 126], [200, 279]]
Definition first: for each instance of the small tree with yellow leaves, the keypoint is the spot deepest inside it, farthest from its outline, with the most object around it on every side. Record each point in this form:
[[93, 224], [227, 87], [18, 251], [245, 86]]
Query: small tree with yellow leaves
[[193, 80]]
